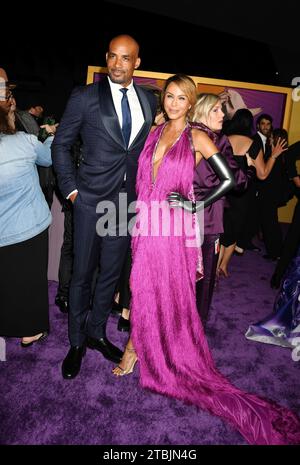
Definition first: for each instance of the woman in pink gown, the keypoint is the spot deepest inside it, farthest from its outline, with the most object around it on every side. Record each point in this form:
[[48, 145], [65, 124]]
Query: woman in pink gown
[[167, 336]]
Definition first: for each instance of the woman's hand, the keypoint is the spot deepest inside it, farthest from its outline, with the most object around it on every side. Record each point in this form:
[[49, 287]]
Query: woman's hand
[[50, 128], [279, 147], [177, 200], [250, 161]]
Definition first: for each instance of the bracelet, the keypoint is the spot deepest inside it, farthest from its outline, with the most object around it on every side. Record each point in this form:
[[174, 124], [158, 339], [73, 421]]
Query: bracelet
[[50, 133], [273, 156]]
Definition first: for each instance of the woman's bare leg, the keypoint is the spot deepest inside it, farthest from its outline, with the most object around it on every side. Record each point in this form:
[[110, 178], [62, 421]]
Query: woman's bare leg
[[226, 257]]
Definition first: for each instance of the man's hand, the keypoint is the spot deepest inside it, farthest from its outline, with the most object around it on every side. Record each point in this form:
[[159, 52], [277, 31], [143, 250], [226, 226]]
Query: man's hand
[[73, 196]]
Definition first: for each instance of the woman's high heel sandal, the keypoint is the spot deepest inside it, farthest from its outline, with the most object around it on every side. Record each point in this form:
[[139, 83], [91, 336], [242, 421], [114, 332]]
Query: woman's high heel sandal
[[131, 357]]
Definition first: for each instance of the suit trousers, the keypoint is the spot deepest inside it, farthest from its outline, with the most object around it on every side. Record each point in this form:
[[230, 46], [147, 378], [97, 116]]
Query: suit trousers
[[92, 250], [66, 256]]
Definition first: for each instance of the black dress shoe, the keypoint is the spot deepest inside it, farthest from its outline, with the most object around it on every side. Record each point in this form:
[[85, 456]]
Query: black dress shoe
[[62, 303], [107, 349], [40, 339], [72, 363], [123, 324]]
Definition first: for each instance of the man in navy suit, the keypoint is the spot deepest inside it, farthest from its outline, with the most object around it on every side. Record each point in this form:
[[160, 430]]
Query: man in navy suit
[[113, 132]]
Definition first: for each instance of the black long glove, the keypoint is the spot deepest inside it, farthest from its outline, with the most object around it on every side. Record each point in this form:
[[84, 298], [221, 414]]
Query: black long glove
[[220, 166]]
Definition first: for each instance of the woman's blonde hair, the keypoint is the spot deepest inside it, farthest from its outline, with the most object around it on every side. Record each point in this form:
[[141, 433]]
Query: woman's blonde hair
[[186, 84], [203, 106]]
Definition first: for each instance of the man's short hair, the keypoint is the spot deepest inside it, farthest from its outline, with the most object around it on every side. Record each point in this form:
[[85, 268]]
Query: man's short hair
[[264, 116]]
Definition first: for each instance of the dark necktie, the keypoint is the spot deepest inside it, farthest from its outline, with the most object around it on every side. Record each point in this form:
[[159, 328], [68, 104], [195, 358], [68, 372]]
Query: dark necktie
[[126, 116]]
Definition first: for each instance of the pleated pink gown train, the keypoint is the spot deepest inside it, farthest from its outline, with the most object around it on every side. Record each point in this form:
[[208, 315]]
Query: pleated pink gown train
[[167, 333]]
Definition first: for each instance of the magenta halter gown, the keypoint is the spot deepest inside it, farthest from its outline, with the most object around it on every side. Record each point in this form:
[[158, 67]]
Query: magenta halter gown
[[167, 333]]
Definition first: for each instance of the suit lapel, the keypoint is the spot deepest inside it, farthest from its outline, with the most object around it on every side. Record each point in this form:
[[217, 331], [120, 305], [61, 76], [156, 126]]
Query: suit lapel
[[110, 118], [108, 113]]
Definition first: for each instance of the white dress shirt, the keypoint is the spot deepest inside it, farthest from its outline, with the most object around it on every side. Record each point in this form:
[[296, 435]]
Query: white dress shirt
[[137, 117], [264, 140]]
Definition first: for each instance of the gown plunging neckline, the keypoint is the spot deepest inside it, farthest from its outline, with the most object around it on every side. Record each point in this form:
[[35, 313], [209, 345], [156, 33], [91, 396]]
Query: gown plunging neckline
[[165, 154]]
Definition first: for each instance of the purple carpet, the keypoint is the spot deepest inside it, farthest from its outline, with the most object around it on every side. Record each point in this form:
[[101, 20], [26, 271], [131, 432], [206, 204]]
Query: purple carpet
[[38, 407]]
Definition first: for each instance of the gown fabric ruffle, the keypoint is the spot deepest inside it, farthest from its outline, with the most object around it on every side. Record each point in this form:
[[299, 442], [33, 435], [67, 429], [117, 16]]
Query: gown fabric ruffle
[[167, 334]]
